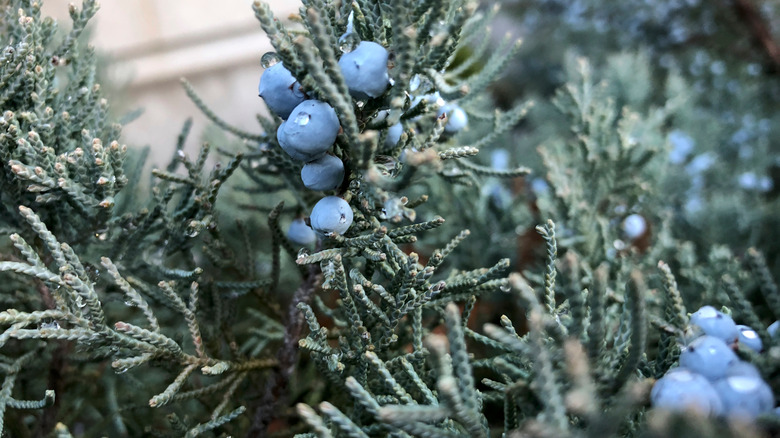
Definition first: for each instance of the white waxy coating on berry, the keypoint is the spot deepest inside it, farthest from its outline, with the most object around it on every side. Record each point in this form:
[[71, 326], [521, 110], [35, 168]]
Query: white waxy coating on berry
[[280, 90], [708, 356], [716, 323], [634, 226], [681, 389], [300, 233], [742, 368], [457, 119], [365, 70], [330, 215], [745, 397], [749, 338], [706, 312], [324, 173], [310, 131]]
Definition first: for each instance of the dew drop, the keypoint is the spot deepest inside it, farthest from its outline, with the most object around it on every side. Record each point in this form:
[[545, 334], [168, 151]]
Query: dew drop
[[53, 325], [302, 119], [269, 59], [349, 42]]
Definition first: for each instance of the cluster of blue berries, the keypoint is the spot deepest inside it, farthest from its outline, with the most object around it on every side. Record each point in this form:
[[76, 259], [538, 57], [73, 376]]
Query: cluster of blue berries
[[711, 378], [310, 128]]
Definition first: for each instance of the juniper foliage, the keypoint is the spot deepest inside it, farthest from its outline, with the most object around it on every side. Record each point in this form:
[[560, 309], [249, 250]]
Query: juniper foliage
[[463, 300]]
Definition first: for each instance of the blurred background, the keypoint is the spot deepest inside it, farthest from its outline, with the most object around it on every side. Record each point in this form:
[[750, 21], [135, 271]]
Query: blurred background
[[150, 44]]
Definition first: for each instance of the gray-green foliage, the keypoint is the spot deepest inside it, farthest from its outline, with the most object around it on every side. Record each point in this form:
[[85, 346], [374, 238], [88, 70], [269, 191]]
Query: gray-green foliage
[[59, 148], [157, 314]]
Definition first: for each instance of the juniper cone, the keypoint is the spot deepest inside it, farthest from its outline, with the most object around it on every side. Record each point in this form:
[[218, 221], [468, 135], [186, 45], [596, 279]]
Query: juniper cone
[[708, 356], [324, 173], [681, 389], [310, 130], [280, 90], [331, 214], [365, 70], [301, 234], [715, 323]]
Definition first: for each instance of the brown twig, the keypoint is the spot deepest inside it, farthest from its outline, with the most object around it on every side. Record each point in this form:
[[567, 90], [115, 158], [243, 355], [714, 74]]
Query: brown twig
[[749, 14], [275, 394]]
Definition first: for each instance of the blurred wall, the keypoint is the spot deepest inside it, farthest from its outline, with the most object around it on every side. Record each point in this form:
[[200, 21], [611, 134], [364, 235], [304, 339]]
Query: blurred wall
[[216, 45]]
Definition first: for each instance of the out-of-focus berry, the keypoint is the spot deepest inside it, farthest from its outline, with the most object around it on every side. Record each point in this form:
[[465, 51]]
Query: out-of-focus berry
[[680, 390], [749, 338], [716, 323], [708, 356], [300, 233]]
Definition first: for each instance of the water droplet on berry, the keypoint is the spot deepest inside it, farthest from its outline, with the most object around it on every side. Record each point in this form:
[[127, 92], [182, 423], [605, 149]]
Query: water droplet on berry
[[302, 119], [269, 59], [349, 42]]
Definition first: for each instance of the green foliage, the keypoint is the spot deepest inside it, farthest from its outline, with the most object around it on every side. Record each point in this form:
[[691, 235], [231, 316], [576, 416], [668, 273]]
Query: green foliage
[[59, 148], [444, 310]]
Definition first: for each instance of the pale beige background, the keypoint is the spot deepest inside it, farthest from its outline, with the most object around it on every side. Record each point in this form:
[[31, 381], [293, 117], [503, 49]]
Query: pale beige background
[[216, 45]]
